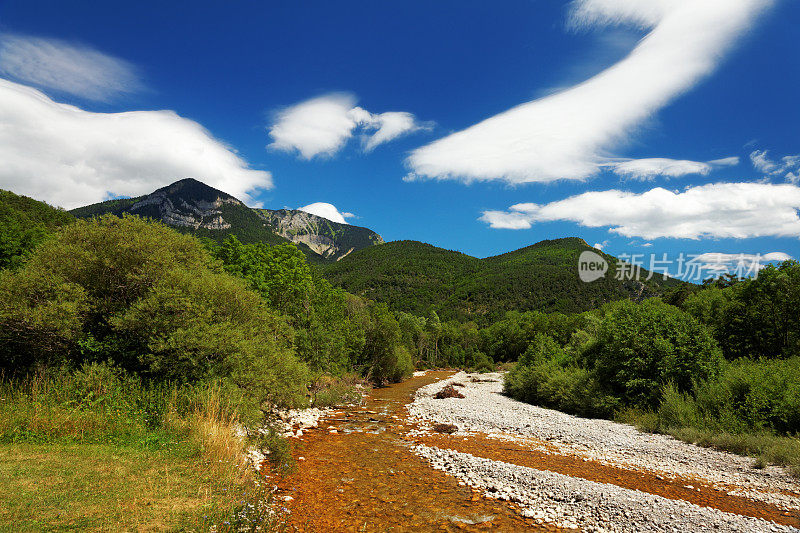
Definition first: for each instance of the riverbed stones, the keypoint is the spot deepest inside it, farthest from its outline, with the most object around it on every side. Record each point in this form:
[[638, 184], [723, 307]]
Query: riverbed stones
[[571, 502]]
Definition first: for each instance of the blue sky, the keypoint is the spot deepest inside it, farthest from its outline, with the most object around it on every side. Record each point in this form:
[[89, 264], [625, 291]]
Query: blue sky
[[616, 95]]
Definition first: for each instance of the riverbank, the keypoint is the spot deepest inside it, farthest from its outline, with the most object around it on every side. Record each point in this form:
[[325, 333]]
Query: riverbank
[[594, 474]]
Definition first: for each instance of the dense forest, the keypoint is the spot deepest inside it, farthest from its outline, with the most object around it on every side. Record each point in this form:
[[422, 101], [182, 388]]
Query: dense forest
[[419, 278]]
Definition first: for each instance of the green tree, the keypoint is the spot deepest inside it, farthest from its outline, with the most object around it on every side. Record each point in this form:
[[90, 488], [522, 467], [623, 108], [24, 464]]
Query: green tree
[[382, 337], [641, 347], [152, 301], [24, 223]]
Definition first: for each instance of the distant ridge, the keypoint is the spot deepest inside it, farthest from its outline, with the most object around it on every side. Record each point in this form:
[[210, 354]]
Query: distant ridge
[[418, 278], [193, 207]]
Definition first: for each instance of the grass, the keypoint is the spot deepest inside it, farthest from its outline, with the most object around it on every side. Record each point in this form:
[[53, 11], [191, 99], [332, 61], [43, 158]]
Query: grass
[[766, 448], [336, 391], [98, 487], [98, 450]]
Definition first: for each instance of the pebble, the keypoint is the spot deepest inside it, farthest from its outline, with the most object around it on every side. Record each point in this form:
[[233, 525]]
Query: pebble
[[572, 503]]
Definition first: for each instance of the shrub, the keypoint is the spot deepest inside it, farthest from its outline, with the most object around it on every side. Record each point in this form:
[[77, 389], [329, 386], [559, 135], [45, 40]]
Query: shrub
[[41, 319], [394, 366], [482, 363], [754, 396], [642, 347], [152, 301], [571, 389]]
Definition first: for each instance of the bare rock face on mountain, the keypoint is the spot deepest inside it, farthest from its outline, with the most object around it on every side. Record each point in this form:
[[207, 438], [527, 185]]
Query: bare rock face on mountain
[[191, 206], [187, 204], [332, 240]]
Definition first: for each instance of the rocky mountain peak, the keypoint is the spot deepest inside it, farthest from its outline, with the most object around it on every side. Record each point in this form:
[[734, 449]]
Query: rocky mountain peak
[[187, 203], [331, 240]]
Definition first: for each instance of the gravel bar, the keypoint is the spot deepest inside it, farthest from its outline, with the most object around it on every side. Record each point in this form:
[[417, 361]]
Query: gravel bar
[[485, 409]]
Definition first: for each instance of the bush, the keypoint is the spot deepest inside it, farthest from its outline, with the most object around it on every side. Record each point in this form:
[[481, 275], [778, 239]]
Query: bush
[[41, 319], [642, 347], [393, 367], [153, 302], [571, 389], [482, 363], [753, 396]]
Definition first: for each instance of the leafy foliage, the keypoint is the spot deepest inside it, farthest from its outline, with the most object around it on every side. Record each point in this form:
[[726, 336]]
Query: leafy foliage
[[24, 223], [757, 317], [624, 360], [641, 347], [418, 278], [151, 300]]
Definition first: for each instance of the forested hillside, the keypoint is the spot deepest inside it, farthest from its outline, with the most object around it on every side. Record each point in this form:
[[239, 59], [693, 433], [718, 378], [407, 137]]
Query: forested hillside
[[24, 222], [418, 278]]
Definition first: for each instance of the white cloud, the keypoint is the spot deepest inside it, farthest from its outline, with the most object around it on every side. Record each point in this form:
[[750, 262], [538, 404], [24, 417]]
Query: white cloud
[[74, 69], [326, 210], [650, 168], [647, 169], [743, 263], [70, 157], [322, 126], [787, 167], [725, 162], [723, 210], [390, 125], [568, 135]]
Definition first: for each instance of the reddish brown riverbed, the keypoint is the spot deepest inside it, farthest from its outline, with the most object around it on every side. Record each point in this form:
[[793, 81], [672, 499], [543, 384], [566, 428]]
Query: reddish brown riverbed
[[364, 477], [369, 480]]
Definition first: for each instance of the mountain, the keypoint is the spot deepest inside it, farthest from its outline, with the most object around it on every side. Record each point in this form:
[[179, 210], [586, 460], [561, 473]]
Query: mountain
[[331, 240], [191, 206], [24, 222], [417, 278]]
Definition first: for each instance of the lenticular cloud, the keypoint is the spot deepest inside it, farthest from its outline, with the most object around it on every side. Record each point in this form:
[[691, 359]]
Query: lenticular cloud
[[569, 134]]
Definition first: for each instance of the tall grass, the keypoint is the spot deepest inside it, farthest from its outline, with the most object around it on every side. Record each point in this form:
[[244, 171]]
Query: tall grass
[[750, 409], [196, 425]]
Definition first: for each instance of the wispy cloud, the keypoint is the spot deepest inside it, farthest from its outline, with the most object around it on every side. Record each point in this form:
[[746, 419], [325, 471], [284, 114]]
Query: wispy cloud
[[787, 167], [718, 210], [70, 157], [720, 262], [326, 210], [568, 135], [70, 68], [650, 168], [323, 125]]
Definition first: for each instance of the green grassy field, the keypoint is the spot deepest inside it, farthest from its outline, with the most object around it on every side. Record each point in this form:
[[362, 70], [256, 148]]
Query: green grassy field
[[80, 487]]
